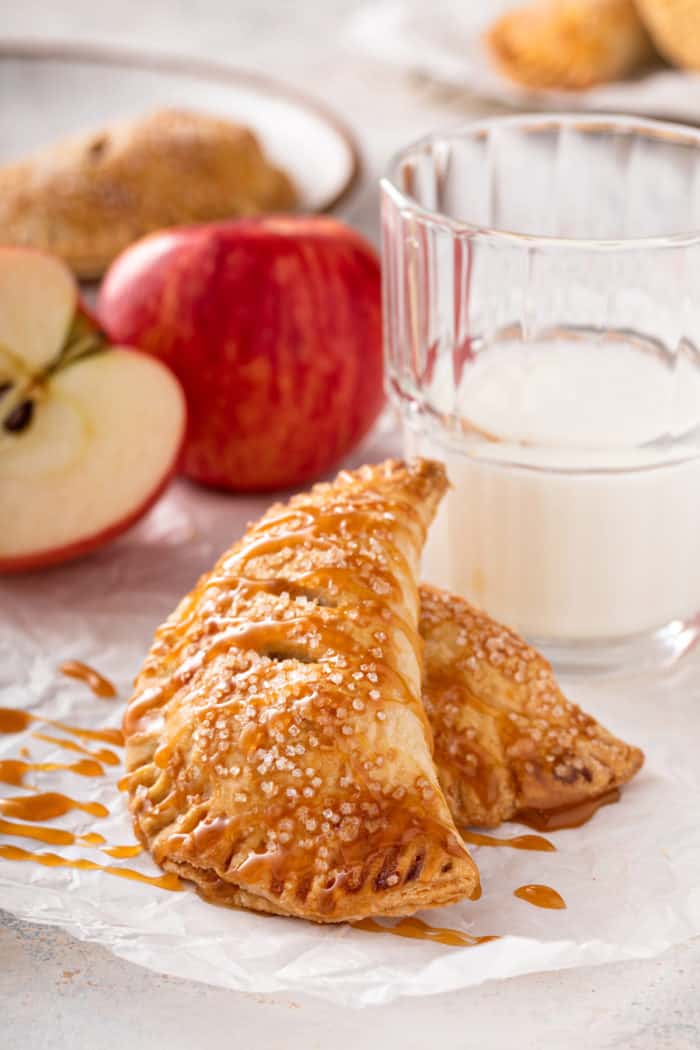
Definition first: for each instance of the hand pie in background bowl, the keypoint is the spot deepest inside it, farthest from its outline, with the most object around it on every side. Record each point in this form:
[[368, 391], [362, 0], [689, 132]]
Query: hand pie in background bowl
[[555, 55], [98, 148]]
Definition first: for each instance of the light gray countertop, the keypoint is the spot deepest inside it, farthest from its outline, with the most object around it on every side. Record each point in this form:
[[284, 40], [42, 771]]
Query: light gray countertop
[[59, 993]]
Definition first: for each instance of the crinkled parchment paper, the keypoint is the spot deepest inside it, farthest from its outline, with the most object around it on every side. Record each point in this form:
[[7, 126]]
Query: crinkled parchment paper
[[631, 877]]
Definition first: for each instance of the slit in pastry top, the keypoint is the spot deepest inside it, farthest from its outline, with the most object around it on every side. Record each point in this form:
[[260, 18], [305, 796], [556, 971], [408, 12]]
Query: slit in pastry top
[[277, 747]]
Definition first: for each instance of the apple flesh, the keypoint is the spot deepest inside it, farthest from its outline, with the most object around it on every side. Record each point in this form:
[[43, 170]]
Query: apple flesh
[[89, 434], [273, 326]]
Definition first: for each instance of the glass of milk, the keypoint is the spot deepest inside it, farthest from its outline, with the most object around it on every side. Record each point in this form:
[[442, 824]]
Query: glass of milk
[[542, 330]]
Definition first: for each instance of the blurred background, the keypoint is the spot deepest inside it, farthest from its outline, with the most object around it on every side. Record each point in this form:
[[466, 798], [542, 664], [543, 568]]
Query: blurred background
[[311, 46]]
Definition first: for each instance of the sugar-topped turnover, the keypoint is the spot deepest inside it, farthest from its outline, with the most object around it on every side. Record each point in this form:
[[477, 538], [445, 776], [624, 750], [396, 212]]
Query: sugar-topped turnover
[[278, 751], [508, 743]]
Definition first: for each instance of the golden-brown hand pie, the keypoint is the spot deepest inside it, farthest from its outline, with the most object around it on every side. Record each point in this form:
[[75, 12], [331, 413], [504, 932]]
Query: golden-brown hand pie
[[88, 198], [278, 750], [569, 44], [674, 26], [507, 741]]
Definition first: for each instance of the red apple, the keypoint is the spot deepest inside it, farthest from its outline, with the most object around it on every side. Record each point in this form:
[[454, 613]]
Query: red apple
[[273, 326], [89, 434]]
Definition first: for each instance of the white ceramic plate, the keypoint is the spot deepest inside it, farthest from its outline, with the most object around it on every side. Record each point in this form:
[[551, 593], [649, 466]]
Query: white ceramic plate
[[443, 40], [51, 91]]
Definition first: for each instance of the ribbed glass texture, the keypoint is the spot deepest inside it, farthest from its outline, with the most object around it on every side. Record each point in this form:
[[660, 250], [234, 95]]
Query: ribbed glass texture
[[519, 227], [542, 332]]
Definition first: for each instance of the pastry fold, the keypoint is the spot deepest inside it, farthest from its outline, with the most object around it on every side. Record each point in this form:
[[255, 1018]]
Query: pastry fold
[[278, 752], [507, 741]]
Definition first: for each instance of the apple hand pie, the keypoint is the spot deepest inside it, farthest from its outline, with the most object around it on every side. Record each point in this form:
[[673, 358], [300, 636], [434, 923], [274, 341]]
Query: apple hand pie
[[506, 739], [86, 199], [277, 747], [569, 44], [674, 26]]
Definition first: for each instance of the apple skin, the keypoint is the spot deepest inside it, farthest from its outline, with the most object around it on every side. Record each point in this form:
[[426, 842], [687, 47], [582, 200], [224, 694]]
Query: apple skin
[[273, 327]]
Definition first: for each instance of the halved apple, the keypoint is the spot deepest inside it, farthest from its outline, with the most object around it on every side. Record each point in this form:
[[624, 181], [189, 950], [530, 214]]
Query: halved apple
[[89, 434]]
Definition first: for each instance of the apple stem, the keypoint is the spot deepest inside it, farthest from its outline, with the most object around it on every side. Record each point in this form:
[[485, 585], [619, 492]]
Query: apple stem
[[18, 414], [75, 348]]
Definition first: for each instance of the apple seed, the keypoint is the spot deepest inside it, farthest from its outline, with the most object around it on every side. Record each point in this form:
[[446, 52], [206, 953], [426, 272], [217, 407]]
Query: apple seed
[[20, 417]]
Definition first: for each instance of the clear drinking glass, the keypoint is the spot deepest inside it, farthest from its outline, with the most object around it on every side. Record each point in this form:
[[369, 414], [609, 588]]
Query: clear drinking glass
[[542, 330]]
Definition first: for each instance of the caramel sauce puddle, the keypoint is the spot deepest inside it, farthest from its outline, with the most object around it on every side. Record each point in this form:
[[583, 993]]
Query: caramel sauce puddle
[[417, 930], [540, 896], [95, 681], [566, 816]]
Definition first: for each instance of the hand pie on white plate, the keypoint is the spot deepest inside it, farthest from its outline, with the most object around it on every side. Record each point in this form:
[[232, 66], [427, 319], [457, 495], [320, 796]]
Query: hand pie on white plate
[[507, 742], [87, 198], [278, 751], [569, 44], [674, 26]]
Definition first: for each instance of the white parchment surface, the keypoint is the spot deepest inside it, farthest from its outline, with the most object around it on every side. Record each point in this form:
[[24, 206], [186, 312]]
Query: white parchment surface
[[631, 877]]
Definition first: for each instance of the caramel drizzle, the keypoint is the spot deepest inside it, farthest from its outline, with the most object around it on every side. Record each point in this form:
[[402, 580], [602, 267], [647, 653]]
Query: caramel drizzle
[[15, 720], [62, 837], [472, 764], [259, 635], [13, 770], [535, 843], [540, 896], [95, 681], [123, 851], [469, 762], [168, 881], [52, 836], [312, 522], [91, 839], [102, 755], [417, 930], [307, 584], [47, 806], [219, 836], [275, 866], [571, 816], [360, 512]]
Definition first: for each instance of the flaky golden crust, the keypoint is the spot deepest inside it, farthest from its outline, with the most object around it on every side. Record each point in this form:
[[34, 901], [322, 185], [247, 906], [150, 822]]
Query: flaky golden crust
[[569, 44], [674, 26], [86, 199], [506, 738], [277, 748]]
